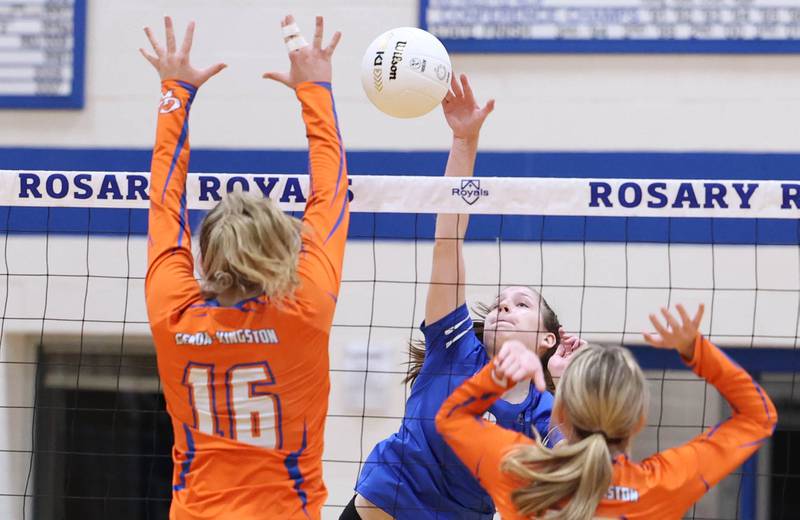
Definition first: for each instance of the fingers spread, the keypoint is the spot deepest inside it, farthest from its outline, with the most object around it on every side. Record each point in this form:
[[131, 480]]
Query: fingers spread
[[186, 46], [280, 77], [170, 30], [699, 316], [656, 341], [455, 87], [153, 42], [334, 42], [488, 108], [659, 328], [465, 86], [318, 33], [670, 319], [213, 71], [149, 57]]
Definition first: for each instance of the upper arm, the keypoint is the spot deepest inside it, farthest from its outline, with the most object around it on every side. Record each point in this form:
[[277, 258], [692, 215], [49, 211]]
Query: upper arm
[[327, 215], [170, 282]]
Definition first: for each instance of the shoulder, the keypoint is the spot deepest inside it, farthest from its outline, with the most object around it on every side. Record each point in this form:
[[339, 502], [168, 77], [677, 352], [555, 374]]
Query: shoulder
[[450, 329]]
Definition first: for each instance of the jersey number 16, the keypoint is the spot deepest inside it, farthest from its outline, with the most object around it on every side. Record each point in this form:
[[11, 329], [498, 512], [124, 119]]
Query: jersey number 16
[[253, 414]]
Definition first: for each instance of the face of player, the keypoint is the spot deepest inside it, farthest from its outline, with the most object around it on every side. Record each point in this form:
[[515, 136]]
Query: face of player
[[515, 315]]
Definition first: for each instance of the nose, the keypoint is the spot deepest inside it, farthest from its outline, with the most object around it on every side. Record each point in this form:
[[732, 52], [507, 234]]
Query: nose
[[503, 307]]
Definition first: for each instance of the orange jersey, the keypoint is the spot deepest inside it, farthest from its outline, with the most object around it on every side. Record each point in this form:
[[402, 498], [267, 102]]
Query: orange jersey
[[246, 386], [663, 486]]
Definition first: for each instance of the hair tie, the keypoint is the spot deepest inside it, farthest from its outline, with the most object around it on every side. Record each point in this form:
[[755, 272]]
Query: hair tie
[[609, 440]]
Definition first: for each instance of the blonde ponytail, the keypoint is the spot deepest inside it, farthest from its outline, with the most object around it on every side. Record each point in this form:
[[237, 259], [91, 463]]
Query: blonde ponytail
[[249, 245], [580, 473], [601, 399]]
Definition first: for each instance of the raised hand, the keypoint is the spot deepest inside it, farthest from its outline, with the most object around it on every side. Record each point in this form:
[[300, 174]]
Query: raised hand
[[173, 63], [516, 363], [559, 361], [308, 62], [461, 110], [680, 336]]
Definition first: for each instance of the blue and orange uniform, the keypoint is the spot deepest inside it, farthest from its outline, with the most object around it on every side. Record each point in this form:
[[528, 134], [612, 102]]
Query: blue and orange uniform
[[664, 485], [413, 474], [246, 386]]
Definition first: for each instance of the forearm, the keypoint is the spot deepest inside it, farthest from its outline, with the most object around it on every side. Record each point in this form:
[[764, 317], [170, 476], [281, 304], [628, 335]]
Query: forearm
[[327, 211], [326, 152], [170, 283], [170, 160], [460, 163], [168, 226], [479, 444]]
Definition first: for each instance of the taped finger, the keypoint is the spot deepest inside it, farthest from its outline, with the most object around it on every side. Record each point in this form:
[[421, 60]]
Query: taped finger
[[293, 38]]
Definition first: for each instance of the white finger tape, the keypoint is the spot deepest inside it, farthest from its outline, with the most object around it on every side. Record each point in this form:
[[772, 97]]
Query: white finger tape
[[290, 30], [296, 42]]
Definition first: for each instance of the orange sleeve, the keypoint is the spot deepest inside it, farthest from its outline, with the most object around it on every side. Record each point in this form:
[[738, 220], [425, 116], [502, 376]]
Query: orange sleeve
[[170, 284], [480, 444], [327, 214], [690, 470]]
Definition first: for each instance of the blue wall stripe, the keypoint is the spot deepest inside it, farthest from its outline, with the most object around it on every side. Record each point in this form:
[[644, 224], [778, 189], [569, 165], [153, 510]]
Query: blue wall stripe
[[636, 165], [642, 165], [755, 360]]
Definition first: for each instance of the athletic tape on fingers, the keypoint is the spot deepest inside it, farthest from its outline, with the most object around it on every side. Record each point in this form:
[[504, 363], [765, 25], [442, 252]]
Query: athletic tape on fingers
[[294, 40]]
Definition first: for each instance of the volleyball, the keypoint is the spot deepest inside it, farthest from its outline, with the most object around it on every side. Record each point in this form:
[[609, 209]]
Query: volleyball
[[406, 72]]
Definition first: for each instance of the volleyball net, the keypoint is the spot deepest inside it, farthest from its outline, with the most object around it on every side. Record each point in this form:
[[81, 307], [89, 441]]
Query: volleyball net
[[83, 430]]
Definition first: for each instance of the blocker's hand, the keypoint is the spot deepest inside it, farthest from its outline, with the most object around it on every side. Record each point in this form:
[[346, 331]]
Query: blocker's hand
[[517, 363], [173, 63], [462, 112], [680, 336], [308, 62]]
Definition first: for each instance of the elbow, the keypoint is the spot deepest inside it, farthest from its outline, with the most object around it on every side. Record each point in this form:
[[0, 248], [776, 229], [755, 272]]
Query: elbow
[[772, 419], [767, 419], [443, 421]]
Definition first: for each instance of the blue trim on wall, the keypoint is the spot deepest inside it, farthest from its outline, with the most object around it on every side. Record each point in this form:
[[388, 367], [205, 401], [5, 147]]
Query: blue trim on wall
[[76, 98], [638, 165], [600, 46], [756, 360], [517, 46], [748, 499], [635, 165]]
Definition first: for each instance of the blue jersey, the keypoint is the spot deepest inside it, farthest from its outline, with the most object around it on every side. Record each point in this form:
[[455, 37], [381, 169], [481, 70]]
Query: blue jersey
[[413, 474]]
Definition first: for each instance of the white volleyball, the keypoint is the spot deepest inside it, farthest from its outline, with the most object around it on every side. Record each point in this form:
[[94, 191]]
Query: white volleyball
[[406, 72]]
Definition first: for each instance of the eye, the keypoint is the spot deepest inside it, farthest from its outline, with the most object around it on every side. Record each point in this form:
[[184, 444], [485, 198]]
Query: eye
[[523, 304]]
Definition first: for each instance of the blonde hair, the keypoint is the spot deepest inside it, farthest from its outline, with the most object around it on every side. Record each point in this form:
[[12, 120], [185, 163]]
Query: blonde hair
[[248, 244], [601, 399]]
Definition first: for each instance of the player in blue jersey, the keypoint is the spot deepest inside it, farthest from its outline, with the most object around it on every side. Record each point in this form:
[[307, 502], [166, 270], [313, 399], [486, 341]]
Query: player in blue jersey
[[413, 474]]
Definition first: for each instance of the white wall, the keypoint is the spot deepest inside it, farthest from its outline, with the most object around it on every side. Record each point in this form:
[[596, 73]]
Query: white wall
[[554, 102]]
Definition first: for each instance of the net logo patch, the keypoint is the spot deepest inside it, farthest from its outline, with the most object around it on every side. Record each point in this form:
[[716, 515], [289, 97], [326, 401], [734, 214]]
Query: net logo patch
[[470, 191]]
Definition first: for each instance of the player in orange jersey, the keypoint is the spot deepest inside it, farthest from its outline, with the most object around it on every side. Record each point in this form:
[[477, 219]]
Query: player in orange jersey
[[243, 355], [600, 405]]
